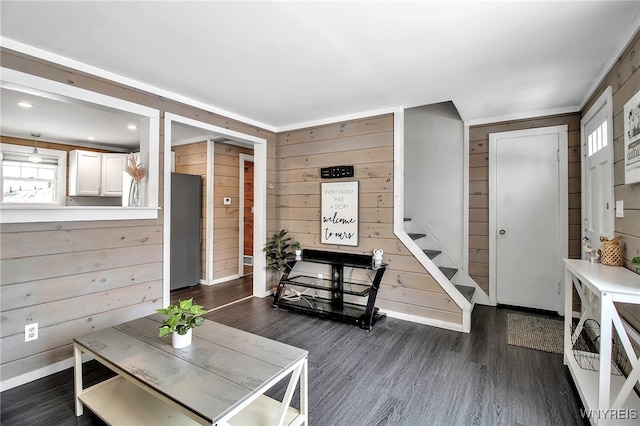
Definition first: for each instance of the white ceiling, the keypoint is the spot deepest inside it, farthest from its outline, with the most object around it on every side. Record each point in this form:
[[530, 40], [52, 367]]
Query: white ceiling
[[57, 120], [282, 64]]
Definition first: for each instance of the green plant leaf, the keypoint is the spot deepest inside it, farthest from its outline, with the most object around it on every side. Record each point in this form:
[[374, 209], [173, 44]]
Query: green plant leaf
[[164, 331], [186, 304]]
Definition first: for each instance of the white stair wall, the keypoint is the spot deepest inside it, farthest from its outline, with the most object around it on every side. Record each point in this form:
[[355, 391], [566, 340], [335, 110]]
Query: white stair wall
[[425, 241]]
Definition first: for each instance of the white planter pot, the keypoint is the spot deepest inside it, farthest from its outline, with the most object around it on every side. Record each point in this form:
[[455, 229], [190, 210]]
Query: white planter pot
[[181, 340], [298, 254]]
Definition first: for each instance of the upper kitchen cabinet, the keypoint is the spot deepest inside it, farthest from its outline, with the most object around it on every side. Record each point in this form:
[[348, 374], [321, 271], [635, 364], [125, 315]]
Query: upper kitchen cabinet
[[96, 174]]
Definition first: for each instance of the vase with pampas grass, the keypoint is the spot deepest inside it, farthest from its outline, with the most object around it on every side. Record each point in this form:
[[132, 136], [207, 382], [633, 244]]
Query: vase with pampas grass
[[137, 173]]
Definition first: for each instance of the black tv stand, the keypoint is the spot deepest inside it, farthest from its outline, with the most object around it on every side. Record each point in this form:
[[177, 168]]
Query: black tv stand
[[333, 304]]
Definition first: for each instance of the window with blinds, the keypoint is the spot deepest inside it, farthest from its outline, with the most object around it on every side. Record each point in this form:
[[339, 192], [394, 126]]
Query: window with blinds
[[26, 182]]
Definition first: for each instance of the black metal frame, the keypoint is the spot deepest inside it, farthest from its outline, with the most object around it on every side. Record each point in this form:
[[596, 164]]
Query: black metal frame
[[336, 308]]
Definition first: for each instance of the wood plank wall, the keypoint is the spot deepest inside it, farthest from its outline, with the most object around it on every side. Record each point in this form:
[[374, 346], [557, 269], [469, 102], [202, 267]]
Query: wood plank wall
[[192, 159], [368, 145], [479, 188], [624, 80], [75, 277]]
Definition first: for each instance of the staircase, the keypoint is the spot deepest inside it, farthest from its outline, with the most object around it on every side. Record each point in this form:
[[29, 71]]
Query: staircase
[[457, 283]]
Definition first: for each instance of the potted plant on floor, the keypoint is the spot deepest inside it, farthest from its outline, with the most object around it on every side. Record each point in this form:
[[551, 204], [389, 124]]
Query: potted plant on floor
[[277, 253], [183, 317]]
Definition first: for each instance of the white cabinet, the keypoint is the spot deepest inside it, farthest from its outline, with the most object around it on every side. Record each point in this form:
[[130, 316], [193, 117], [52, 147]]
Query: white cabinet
[[112, 173], [96, 174]]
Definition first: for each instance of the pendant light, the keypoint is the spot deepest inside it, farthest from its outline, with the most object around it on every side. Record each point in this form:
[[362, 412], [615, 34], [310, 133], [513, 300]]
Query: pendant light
[[35, 157]]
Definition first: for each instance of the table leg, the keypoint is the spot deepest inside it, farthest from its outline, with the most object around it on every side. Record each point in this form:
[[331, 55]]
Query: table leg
[[604, 391], [286, 401], [304, 392], [568, 312], [77, 376]]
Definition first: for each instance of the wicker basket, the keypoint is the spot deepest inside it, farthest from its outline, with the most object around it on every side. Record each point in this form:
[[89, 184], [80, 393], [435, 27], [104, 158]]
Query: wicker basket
[[611, 254]]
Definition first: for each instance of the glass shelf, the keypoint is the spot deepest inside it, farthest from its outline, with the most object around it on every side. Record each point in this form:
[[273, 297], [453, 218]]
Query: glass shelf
[[325, 284]]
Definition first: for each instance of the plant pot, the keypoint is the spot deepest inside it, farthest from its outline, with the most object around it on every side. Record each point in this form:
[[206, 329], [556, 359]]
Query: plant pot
[[181, 340], [298, 254]]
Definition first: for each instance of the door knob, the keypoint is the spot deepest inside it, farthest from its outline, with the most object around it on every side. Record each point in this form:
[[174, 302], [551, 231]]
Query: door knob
[[502, 232]]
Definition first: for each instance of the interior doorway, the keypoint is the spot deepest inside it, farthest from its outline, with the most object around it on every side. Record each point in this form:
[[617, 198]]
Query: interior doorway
[[528, 217], [259, 148], [246, 214]]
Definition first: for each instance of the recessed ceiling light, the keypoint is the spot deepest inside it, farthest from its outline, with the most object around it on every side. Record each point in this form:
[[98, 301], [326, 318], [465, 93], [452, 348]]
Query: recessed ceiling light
[[92, 138], [132, 127], [25, 104]]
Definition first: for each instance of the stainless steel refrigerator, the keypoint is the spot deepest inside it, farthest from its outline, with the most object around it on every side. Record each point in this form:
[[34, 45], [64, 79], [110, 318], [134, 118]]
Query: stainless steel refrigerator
[[186, 230]]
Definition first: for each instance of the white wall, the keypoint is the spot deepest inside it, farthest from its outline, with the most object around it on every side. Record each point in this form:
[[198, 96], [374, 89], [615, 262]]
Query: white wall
[[434, 172]]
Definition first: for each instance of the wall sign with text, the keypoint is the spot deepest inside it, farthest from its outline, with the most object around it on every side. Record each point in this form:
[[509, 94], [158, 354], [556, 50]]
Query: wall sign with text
[[339, 223], [632, 140]]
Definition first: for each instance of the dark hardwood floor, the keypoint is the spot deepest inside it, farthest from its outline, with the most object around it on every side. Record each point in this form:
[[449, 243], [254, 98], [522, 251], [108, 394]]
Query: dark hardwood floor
[[400, 373], [214, 296]]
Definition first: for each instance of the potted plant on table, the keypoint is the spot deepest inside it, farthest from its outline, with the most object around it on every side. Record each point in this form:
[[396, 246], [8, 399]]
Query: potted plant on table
[[297, 250], [183, 317], [277, 253]]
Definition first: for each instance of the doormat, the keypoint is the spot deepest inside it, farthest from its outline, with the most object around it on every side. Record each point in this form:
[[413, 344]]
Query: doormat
[[543, 334]]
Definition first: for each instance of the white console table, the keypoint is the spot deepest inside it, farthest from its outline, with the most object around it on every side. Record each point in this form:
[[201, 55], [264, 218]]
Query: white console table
[[608, 399]]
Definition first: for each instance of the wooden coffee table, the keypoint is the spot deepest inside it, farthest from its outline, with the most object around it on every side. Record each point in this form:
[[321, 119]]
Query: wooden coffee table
[[220, 379]]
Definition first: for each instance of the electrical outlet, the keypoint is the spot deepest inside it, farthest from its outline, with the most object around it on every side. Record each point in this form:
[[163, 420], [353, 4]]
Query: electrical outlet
[[319, 276], [31, 332]]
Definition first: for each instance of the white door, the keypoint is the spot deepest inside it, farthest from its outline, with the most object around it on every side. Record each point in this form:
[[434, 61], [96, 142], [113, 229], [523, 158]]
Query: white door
[[597, 169], [528, 232]]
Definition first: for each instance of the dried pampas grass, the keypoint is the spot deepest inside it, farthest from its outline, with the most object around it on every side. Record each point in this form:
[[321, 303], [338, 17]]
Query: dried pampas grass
[[134, 169]]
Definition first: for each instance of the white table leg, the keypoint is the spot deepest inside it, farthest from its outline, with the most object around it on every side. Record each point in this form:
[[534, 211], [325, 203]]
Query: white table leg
[[604, 379], [304, 392], [77, 376], [568, 312], [286, 401]]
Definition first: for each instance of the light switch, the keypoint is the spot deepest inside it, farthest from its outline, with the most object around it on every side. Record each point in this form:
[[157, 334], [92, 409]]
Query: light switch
[[227, 201], [620, 208]]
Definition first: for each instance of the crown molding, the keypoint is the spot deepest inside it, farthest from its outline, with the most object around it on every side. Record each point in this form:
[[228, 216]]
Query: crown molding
[[99, 72]]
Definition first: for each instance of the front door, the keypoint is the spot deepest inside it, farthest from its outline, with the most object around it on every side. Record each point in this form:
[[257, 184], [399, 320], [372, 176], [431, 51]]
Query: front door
[[597, 166], [528, 231]]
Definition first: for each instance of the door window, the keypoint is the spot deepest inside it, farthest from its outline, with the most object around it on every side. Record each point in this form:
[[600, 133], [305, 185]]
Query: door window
[[597, 140]]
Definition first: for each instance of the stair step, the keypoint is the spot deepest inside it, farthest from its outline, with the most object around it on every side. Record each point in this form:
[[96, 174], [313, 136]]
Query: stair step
[[448, 272], [431, 253], [416, 236], [407, 219], [466, 291]]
